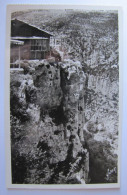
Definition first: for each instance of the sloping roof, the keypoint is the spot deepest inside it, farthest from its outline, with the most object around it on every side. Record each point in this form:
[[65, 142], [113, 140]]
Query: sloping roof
[[32, 26]]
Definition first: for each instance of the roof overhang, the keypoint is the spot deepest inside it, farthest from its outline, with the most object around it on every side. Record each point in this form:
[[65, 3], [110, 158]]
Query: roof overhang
[[16, 42], [17, 38]]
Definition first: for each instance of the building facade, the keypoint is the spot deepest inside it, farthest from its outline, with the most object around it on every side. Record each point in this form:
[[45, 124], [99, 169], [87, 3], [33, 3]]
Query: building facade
[[28, 42]]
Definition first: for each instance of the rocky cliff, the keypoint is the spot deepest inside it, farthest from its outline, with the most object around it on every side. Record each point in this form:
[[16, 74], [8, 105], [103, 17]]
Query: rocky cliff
[[47, 119]]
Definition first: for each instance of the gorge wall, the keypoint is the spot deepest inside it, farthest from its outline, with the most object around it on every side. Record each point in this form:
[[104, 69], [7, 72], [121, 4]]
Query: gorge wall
[[47, 120]]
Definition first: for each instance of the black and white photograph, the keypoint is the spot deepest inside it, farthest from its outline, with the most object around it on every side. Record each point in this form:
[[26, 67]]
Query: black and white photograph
[[64, 103]]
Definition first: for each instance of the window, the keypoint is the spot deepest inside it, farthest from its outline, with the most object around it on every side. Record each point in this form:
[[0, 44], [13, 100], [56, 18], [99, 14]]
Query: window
[[39, 44]]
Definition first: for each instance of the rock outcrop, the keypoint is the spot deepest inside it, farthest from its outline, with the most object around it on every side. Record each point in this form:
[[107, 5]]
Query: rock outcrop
[[47, 128]]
